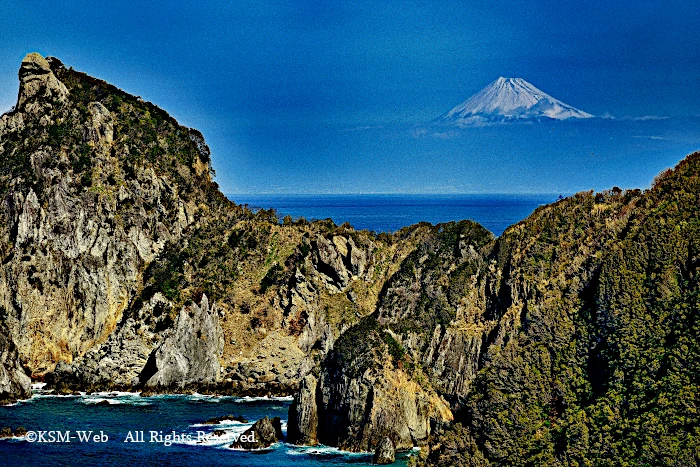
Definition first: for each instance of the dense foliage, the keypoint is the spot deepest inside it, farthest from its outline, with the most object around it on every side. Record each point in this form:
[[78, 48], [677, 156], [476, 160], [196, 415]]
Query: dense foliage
[[604, 368]]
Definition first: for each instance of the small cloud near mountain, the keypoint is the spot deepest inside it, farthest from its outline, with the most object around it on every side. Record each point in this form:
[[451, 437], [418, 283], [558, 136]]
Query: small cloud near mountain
[[630, 118]]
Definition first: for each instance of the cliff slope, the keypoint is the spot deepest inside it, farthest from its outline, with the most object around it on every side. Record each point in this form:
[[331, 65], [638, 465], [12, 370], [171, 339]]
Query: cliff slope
[[570, 340], [604, 367], [122, 261]]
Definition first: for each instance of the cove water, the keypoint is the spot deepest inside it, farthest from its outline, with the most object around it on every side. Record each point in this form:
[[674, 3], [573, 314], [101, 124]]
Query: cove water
[[389, 213], [180, 437]]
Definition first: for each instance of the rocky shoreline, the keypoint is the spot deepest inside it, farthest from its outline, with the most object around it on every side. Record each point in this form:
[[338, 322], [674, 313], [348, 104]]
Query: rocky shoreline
[[225, 389]]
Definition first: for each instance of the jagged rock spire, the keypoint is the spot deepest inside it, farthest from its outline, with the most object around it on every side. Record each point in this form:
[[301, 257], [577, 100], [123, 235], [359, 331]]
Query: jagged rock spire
[[37, 80]]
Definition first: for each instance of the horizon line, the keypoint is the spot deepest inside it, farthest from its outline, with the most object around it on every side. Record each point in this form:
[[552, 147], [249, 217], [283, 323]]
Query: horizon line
[[402, 193]]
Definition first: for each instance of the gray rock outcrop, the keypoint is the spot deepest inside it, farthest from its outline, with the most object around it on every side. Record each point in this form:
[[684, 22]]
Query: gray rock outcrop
[[14, 383], [263, 434], [191, 353], [302, 426], [38, 81], [339, 259], [385, 453], [101, 128]]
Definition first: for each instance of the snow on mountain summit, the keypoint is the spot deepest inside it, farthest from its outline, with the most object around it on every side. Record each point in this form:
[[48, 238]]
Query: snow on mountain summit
[[510, 99]]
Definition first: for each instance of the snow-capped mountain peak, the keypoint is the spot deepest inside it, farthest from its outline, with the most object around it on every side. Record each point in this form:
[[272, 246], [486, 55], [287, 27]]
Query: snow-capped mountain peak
[[510, 99]]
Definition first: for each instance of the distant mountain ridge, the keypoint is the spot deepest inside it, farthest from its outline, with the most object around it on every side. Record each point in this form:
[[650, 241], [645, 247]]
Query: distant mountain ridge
[[507, 100]]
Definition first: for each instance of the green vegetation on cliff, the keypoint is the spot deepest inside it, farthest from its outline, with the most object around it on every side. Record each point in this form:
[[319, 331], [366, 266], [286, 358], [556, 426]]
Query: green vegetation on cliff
[[113, 233], [604, 368]]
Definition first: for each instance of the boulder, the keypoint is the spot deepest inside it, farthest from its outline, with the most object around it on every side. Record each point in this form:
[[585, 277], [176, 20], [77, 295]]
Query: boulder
[[384, 454], [264, 433]]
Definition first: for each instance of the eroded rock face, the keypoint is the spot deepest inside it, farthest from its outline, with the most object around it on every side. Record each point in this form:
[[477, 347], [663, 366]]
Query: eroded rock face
[[191, 353], [452, 358], [37, 80], [358, 412], [364, 396], [14, 383], [121, 359], [101, 129], [302, 426], [385, 453], [69, 257], [339, 259]]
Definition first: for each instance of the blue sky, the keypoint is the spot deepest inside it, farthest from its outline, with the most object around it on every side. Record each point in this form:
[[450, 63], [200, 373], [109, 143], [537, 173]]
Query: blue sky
[[321, 96]]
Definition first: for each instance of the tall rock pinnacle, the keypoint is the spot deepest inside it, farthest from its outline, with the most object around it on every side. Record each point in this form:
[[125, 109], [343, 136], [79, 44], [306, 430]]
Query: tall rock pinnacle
[[37, 80]]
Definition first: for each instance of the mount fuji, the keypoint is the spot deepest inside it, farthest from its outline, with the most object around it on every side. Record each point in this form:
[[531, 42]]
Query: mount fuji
[[508, 100]]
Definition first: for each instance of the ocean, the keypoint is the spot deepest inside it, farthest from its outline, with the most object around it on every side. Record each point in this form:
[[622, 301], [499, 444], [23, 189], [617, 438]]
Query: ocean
[[389, 213], [126, 415]]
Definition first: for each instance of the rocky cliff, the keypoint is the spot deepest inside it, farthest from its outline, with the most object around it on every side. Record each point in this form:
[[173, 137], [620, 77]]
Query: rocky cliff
[[124, 265], [363, 396], [570, 340], [14, 382], [87, 202]]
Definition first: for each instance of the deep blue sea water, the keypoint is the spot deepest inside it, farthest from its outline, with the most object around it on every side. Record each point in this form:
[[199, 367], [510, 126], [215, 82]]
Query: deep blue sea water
[[180, 414], [388, 213]]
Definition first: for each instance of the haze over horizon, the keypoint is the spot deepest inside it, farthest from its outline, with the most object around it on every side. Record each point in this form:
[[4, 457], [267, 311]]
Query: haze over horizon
[[312, 97]]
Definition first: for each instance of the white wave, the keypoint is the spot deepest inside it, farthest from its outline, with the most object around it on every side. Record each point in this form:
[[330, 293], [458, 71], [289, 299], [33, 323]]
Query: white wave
[[269, 448], [322, 450], [116, 394], [264, 398], [222, 423], [46, 394], [37, 386], [98, 400], [204, 398], [196, 397], [115, 398], [50, 393], [213, 398], [208, 438]]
